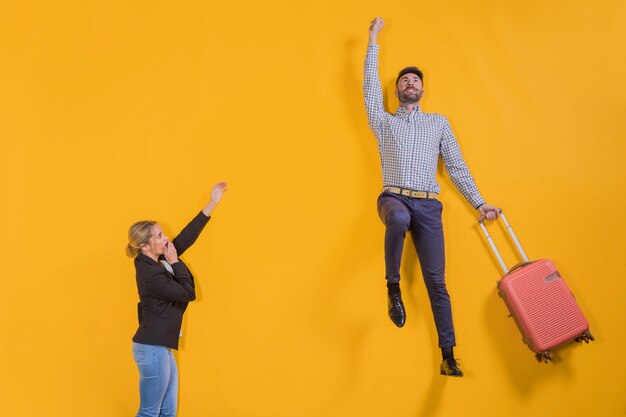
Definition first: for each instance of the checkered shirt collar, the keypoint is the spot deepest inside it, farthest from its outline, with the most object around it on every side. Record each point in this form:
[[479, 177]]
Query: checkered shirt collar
[[402, 112]]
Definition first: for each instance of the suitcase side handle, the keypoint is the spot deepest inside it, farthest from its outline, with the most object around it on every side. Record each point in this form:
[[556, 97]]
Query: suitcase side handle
[[493, 246], [518, 266]]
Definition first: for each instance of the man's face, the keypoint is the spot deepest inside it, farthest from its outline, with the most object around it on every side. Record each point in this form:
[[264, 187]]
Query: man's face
[[409, 89]]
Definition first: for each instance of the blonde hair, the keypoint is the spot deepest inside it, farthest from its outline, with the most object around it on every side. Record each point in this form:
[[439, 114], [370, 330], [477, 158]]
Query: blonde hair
[[139, 234]]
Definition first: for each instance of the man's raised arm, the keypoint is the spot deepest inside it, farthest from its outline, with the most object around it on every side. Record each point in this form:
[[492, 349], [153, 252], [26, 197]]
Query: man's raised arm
[[372, 89]]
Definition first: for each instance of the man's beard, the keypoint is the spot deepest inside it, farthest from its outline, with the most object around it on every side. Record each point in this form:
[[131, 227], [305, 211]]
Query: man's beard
[[409, 98]]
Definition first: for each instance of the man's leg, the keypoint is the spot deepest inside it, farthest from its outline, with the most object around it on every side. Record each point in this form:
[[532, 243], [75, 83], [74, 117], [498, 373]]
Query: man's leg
[[396, 216], [427, 234]]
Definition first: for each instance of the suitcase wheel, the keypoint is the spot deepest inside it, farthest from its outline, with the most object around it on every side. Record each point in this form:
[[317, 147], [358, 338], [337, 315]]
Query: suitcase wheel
[[587, 337], [543, 357]]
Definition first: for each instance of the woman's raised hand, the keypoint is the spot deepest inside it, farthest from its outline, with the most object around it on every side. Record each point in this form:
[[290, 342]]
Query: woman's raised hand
[[216, 196]]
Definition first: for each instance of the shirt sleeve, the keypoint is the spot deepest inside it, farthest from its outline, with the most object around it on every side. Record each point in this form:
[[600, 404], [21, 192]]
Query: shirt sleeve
[[372, 90], [457, 168]]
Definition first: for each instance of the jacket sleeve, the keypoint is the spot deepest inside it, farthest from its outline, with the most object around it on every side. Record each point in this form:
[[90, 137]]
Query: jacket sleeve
[[179, 288], [190, 233]]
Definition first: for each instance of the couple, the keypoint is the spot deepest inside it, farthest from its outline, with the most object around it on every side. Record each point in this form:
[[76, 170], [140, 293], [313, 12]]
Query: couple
[[409, 143]]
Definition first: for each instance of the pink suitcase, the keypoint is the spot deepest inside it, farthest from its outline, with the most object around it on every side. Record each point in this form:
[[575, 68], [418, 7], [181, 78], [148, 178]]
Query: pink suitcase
[[540, 302]]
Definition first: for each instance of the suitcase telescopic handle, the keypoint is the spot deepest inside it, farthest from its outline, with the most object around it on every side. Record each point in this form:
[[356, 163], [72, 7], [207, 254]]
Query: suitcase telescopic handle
[[493, 246]]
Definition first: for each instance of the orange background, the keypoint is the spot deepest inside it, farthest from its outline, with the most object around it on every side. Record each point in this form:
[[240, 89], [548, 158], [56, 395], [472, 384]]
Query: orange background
[[117, 111]]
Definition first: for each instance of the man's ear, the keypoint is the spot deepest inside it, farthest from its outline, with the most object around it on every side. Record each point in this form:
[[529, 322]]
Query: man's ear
[[396, 92]]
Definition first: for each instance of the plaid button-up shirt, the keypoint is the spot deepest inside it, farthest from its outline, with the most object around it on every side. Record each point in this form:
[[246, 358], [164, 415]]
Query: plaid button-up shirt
[[410, 143]]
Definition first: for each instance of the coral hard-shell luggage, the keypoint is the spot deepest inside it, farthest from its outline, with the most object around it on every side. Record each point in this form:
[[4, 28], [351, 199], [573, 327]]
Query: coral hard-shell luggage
[[540, 302]]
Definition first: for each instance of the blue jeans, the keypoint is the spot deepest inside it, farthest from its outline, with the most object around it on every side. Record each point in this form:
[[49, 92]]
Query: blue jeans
[[422, 217], [158, 380]]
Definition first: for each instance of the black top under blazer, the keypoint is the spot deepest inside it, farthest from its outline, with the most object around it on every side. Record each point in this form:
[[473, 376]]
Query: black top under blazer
[[163, 297]]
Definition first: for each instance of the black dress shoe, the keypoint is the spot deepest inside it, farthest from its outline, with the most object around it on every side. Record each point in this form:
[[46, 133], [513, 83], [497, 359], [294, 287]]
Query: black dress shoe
[[396, 309], [449, 367]]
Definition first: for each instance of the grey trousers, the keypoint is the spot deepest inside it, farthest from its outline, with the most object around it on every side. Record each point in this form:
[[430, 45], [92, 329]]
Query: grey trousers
[[422, 217]]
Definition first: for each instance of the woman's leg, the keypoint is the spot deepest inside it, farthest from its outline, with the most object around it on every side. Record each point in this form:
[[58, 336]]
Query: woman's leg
[[153, 363], [170, 400]]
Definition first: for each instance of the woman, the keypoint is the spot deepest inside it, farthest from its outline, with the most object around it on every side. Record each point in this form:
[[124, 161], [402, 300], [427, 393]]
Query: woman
[[165, 287]]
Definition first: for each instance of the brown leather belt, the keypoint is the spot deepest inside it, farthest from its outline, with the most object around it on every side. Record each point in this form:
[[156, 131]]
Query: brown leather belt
[[410, 193]]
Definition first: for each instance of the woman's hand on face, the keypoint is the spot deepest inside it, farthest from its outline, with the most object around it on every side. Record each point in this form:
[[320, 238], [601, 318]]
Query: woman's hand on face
[[171, 255]]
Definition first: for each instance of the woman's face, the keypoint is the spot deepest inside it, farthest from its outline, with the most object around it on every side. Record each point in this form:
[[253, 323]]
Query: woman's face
[[157, 243]]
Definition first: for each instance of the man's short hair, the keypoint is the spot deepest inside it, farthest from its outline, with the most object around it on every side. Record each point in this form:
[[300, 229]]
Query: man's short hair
[[410, 70]]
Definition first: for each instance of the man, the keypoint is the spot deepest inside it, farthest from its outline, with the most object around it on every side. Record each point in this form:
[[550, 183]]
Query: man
[[410, 143]]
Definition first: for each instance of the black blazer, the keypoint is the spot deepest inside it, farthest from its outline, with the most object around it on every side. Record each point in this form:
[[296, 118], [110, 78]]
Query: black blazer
[[163, 297]]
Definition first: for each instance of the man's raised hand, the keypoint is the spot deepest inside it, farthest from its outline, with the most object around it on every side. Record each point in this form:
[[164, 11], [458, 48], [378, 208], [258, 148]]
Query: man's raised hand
[[376, 26]]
